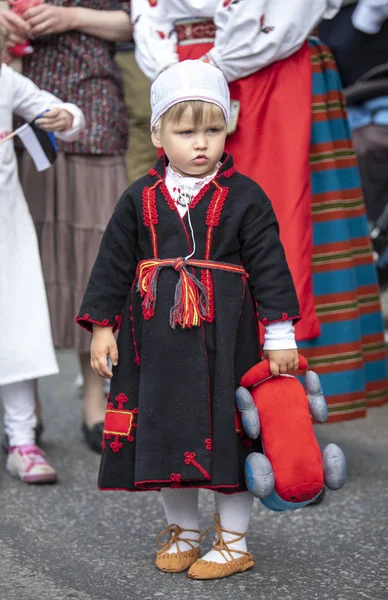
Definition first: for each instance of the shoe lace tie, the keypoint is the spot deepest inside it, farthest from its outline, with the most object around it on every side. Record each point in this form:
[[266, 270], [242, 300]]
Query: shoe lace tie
[[220, 544], [174, 532]]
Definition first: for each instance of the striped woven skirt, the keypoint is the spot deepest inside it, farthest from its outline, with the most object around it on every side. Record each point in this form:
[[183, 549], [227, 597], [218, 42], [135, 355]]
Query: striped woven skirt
[[349, 355], [341, 332]]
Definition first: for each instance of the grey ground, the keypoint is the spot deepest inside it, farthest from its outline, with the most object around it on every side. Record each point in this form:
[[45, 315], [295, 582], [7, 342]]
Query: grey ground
[[70, 541]]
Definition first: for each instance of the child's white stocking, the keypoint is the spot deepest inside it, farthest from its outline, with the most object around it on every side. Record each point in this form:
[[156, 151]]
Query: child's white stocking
[[19, 412], [235, 512], [181, 508]]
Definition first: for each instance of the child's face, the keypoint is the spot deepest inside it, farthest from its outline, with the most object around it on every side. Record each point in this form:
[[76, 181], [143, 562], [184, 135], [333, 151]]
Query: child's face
[[193, 150]]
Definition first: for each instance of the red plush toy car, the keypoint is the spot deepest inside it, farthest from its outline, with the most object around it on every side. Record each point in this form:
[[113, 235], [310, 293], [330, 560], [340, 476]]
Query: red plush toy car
[[292, 471]]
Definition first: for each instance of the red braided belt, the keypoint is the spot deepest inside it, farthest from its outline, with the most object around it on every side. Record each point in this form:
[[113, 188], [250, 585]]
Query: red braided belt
[[198, 31], [191, 302]]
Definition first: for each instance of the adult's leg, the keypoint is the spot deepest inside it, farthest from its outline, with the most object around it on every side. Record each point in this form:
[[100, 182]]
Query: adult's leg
[[141, 154]]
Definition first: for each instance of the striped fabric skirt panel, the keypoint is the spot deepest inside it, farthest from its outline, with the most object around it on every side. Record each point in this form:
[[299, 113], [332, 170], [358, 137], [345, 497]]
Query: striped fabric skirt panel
[[350, 353]]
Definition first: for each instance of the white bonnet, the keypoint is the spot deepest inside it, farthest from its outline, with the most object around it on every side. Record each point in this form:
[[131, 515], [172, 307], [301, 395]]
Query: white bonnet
[[189, 80]]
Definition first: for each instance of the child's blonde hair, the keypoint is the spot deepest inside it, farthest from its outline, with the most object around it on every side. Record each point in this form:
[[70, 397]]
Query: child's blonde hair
[[3, 39], [201, 111]]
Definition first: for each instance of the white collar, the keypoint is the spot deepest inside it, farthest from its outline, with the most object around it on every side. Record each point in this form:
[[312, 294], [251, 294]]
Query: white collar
[[190, 182]]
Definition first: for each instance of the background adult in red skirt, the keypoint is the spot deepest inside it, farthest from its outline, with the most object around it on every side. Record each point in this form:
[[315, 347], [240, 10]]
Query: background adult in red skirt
[[292, 137]]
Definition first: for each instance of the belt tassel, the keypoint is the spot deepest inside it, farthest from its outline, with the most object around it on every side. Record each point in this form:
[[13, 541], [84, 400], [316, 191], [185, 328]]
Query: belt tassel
[[191, 302]]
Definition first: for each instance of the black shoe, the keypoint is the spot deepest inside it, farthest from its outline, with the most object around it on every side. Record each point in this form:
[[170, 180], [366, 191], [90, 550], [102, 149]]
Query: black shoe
[[39, 429], [93, 436]]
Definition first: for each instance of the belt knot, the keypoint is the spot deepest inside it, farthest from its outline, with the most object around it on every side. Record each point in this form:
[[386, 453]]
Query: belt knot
[[179, 263]]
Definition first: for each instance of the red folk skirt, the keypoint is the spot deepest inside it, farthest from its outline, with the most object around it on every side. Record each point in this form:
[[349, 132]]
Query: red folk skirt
[[271, 145]]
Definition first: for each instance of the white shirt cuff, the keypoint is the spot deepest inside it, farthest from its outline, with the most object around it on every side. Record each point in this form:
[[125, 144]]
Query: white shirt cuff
[[279, 335], [369, 19]]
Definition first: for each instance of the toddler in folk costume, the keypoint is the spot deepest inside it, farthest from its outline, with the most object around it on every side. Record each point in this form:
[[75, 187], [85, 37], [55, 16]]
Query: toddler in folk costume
[[190, 254], [26, 349]]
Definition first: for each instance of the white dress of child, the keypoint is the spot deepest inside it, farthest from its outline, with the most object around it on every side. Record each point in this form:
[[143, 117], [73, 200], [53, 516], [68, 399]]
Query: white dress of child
[[26, 348]]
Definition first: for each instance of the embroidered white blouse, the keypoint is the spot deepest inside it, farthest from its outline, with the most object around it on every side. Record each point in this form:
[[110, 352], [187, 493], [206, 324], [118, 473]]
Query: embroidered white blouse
[[250, 34], [277, 336]]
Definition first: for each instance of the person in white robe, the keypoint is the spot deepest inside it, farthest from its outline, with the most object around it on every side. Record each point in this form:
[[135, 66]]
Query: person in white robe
[[26, 348]]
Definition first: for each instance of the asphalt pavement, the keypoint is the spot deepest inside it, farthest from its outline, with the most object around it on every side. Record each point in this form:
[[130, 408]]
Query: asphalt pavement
[[70, 541]]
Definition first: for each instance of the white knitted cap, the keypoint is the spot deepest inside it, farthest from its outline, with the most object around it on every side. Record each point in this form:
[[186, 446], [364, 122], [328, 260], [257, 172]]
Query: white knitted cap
[[189, 80]]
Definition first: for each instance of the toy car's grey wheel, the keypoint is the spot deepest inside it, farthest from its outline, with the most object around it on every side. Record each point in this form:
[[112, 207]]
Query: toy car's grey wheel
[[259, 475], [249, 413], [334, 466], [317, 402]]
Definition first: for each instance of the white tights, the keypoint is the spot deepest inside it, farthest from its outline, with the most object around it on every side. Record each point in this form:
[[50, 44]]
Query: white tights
[[19, 412], [181, 508]]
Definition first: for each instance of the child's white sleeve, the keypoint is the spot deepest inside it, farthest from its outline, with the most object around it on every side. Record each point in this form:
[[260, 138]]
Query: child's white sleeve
[[28, 101], [279, 335], [77, 126]]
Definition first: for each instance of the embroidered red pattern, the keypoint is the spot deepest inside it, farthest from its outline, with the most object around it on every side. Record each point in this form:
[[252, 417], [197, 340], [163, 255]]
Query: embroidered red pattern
[[167, 195], [119, 423], [190, 460], [207, 281], [104, 323], [208, 444], [137, 357], [263, 28], [199, 196], [175, 478], [195, 30], [212, 220], [228, 173], [150, 214]]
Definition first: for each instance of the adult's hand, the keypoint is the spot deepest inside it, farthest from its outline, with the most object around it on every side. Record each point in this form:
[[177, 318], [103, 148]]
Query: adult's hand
[[17, 27], [45, 19]]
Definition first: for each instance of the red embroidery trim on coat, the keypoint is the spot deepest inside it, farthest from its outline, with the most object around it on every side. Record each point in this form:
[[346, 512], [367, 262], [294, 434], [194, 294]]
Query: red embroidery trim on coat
[[216, 205], [140, 489], [199, 196], [208, 444], [228, 173], [176, 479], [167, 195], [190, 459], [285, 317], [150, 214], [104, 323], [193, 203], [212, 220], [137, 357], [153, 172], [119, 423], [207, 282]]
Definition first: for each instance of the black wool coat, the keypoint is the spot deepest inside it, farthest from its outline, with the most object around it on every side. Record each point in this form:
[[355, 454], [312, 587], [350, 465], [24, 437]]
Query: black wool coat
[[171, 417]]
